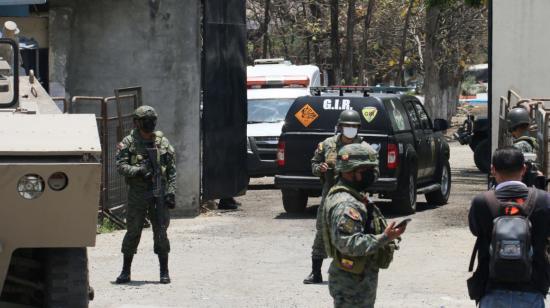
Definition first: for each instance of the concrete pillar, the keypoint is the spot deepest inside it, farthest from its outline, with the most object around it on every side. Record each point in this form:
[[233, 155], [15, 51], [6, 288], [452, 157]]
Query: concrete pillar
[[97, 46]]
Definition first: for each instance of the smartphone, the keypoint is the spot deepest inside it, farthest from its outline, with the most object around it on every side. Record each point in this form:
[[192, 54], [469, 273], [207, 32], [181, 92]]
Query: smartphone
[[403, 223]]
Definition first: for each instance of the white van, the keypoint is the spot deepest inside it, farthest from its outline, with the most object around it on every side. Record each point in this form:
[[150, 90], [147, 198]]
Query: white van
[[272, 84]]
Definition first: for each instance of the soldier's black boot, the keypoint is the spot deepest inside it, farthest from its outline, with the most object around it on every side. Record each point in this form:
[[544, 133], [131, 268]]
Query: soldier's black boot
[[164, 275], [315, 275], [228, 204], [124, 276]]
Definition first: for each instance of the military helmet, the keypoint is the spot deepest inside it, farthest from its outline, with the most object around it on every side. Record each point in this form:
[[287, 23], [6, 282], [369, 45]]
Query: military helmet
[[355, 155], [517, 116], [145, 112], [350, 117]]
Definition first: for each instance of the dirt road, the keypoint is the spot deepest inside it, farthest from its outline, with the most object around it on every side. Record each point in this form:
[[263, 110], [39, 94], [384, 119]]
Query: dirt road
[[258, 256]]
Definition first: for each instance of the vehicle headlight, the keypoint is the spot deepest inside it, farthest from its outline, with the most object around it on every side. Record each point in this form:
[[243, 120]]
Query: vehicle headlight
[[248, 148], [30, 186], [58, 181]]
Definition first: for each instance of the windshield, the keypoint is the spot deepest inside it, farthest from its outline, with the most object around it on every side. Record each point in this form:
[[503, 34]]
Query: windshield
[[268, 110]]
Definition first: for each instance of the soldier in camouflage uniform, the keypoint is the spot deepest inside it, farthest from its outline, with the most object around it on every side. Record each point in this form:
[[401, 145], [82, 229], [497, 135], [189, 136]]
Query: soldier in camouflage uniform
[[322, 165], [518, 123], [356, 234], [133, 163]]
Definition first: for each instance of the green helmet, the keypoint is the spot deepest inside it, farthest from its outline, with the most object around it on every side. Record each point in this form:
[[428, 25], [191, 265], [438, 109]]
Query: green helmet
[[145, 112], [517, 116], [355, 155], [350, 117]]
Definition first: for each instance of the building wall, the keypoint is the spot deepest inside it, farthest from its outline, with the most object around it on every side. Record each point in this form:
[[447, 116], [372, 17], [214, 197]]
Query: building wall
[[521, 41], [97, 46]]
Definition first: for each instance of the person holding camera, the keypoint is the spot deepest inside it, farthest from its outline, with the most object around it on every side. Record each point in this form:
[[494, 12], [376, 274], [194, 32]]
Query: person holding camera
[[511, 224]]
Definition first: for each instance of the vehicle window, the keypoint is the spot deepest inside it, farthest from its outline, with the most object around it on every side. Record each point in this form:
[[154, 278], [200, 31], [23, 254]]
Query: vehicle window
[[397, 116], [424, 119], [268, 110], [412, 114]]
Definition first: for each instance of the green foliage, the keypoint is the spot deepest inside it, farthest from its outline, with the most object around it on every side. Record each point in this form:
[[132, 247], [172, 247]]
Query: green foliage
[[471, 87], [432, 3], [106, 226]]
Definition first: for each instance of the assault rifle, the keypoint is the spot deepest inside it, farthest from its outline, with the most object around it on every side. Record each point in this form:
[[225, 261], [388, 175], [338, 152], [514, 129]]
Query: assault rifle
[[157, 190]]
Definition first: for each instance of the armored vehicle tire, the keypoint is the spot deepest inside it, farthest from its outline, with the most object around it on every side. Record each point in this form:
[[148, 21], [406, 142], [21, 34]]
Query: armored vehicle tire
[[66, 278], [482, 156], [404, 201], [441, 196], [294, 200]]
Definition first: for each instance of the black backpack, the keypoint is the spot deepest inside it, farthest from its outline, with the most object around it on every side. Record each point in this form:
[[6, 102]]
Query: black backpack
[[511, 250]]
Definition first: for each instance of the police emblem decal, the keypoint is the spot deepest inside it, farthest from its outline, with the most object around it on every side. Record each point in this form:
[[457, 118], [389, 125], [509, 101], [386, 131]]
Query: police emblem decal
[[369, 113]]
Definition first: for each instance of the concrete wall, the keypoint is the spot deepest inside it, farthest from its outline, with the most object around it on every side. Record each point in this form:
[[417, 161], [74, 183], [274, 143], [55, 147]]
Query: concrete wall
[[521, 43], [96, 46]]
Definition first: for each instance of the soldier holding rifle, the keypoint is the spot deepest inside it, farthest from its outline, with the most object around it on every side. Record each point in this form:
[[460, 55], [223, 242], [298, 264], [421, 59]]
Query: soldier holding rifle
[[148, 162]]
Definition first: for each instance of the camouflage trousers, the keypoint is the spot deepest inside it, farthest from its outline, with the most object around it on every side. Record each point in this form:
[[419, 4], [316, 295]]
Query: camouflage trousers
[[318, 249], [351, 290], [138, 209]]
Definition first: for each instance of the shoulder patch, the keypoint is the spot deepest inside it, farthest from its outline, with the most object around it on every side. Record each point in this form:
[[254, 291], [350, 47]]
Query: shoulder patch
[[320, 146], [353, 213], [120, 146]]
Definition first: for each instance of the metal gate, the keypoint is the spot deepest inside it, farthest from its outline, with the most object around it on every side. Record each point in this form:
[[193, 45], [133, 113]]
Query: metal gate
[[114, 121]]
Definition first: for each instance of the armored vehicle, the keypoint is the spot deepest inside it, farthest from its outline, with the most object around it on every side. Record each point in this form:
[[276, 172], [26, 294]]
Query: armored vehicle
[[50, 176], [413, 153]]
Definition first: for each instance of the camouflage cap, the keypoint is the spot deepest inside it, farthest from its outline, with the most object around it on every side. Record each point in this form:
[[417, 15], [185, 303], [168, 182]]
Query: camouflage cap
[[353, 156], [144, 112]]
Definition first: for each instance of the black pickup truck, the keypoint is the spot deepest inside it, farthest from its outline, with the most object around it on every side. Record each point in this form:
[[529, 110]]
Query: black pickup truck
[[413, 154]]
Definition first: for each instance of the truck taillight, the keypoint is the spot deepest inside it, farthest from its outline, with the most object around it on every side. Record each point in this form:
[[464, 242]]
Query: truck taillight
[[393, 156], [281, 153]]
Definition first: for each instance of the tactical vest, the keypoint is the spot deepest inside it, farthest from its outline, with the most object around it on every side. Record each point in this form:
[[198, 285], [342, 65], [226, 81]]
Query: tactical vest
[[138, 152], [532, 142], [374, 223], [331, 149]]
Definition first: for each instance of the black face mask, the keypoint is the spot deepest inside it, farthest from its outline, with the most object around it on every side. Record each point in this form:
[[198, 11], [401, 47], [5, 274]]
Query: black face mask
[[367, 179], [148, 124]]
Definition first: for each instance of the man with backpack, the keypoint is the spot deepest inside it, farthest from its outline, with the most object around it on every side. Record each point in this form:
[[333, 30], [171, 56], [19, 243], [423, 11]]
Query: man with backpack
[[512, 226]]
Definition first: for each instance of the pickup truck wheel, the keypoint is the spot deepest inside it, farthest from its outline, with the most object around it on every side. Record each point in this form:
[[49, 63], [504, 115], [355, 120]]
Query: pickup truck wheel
[[66, 278], [482, 156], [441, 196], [294, 200], [405, 200]]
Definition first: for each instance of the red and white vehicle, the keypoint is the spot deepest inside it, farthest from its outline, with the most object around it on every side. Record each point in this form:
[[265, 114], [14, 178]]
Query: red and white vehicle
[[273, 85]]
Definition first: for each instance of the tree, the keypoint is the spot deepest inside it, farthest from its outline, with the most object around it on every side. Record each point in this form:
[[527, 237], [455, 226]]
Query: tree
[[350, 29], [403, 51], [265, 28], [335, 41], [453, 35]]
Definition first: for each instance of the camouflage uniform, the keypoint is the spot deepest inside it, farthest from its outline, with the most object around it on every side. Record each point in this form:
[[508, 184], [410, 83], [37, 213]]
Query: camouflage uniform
[[326, 152], [354, 238], [526, 144], [130, 155]]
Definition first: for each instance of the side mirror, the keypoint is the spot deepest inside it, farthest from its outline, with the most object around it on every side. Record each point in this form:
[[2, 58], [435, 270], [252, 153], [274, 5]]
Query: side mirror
[[440, 125]]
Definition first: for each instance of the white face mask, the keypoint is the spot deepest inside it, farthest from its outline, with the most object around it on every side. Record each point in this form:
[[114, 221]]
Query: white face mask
[[349, 132]]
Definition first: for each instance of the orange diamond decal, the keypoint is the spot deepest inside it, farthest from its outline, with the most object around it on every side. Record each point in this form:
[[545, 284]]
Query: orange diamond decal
[[306, 115]]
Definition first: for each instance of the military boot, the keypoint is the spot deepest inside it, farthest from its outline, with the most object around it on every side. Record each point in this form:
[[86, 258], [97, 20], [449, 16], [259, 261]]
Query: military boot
[[164, 275], [124, 276], [315, 275]]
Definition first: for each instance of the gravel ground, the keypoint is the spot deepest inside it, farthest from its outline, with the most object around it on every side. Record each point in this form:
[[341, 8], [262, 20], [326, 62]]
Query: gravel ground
[[258, 256]]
